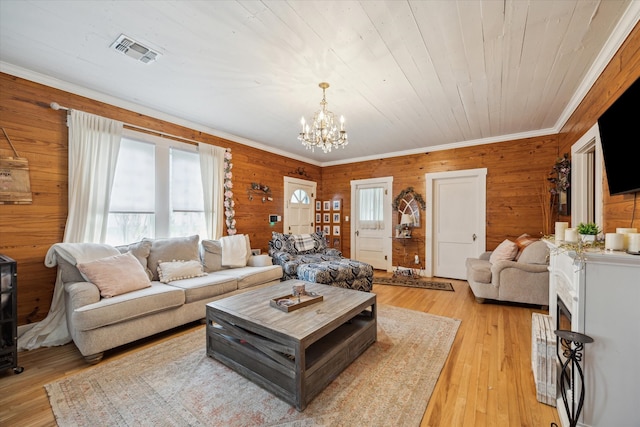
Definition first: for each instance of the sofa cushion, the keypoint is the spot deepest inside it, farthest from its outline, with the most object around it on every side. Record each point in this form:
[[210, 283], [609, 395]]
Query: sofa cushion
[[172, 249], [109, 311], [506, 251], [141, 251], [251, 276], [116, 274], [177, 270], [535, 253], [478, 270], [203, 287], [236, 250]]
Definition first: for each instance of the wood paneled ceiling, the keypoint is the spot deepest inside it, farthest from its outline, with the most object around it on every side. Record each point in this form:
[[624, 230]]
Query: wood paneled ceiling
[[409, 76]]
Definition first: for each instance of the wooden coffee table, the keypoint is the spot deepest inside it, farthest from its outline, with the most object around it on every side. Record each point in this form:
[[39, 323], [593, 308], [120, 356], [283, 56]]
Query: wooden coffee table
[[293, 355]]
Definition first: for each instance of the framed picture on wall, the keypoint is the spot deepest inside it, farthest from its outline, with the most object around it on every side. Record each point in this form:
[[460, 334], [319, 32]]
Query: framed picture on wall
[[336, 230], [326, 205], [318, 228], [336, 242], [318, 217], [318, 205], [326, 217], [336, 217], [326, 229], [336, 205]]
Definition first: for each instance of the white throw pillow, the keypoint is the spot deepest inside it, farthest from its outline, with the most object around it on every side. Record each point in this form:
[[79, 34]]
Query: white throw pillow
[[506, 251], [177, 270], [116, 275]]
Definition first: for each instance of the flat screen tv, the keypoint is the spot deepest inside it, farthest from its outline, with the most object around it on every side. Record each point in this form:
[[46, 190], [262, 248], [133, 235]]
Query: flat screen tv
[[620, 138]]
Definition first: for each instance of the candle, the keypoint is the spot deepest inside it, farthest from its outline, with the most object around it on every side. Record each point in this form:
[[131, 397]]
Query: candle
[[571, 235], [626, 232], [634, 242], [560, 228], [614, 241]]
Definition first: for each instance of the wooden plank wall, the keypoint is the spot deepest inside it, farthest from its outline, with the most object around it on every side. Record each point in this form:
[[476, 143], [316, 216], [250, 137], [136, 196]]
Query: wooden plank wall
[[516, 173], [620, 73], [40, 134]]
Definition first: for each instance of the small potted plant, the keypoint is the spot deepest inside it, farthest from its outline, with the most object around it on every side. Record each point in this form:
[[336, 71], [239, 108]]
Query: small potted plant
[[588, 231]]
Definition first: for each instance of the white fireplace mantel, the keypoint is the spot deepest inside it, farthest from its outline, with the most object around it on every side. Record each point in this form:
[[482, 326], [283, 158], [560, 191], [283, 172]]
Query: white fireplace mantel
[[602, 292]]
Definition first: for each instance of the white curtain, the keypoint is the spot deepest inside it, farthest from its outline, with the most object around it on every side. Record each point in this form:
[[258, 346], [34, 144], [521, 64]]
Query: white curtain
[[371, 208], [94, 143], [212, 172]]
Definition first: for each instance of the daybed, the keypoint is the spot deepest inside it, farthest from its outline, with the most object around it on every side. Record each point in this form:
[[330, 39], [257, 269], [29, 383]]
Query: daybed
[[112, 300], [501, 277], [306, 257]]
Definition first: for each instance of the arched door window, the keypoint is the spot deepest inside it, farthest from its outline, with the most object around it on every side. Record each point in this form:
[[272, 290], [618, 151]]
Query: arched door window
[[301, 197]]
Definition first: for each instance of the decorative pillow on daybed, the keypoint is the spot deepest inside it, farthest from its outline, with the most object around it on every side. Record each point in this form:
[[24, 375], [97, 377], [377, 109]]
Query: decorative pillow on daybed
[[506, 251], [177, 270], [116, 274]]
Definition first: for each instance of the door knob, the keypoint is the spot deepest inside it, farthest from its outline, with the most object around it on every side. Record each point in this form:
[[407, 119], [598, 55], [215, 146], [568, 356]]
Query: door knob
[[357, 233], [474, 237]]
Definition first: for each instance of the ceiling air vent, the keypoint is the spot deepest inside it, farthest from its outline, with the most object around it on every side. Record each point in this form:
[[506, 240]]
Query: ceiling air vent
[[135, 50]]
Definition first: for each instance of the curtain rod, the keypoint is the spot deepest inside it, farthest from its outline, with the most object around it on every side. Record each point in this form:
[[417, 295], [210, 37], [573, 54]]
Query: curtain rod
[[56, 106]]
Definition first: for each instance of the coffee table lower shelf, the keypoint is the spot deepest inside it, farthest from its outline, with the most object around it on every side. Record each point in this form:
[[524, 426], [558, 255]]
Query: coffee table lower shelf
[[291, 372]]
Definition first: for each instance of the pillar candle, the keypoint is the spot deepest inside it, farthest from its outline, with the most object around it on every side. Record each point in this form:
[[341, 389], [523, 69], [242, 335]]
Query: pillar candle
[[571, 235], [634, 242], [626, 232], [560, 228], [614, 241]]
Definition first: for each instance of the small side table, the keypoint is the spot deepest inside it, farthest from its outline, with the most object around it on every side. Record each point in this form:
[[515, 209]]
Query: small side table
[[410, 268]]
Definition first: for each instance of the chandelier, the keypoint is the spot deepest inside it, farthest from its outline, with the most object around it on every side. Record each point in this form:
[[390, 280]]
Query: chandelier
[[323, 132]]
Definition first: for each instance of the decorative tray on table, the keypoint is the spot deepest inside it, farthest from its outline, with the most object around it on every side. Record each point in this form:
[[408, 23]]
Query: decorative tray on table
[[290, 302]]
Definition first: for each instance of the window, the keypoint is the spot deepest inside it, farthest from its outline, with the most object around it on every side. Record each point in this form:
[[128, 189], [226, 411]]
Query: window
[[371, 208], [157, 191], [300, 196]]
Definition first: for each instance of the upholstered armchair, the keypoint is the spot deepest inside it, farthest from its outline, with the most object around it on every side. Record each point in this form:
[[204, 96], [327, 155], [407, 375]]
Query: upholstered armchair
[[522, 280]]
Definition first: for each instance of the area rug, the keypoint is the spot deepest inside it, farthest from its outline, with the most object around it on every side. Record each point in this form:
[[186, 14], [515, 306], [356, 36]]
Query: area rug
[[413, 282], [176, 384]]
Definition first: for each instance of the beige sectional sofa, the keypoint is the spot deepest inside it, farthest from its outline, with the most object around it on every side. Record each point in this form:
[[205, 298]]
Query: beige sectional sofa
[[97, 322]]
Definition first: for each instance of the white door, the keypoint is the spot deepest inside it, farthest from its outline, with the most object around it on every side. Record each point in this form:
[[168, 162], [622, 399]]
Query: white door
[[371, 221], [456, 221], [299, 199]]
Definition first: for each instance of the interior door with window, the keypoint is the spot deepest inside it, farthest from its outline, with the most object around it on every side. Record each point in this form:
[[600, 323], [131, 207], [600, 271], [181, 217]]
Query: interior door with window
[[299, 199], [371, 229]]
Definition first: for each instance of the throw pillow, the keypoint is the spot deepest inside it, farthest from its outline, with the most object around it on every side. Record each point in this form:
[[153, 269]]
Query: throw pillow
[[523, 241], [281, 243], [141, 251], [320, 241], [506, 251], [184, 248], [211, 255], [177, 270], [115, 275], [535, 253]]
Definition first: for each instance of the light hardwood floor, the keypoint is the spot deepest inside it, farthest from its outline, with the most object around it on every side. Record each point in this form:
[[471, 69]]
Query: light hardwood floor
[[487, 380]]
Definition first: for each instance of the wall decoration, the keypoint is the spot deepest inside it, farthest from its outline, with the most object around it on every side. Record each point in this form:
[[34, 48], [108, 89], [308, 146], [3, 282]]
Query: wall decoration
[[318, 205], [318, 228], [326, 217], [15, 185], [408, 204], [229, 203], [260, 190], [326, 229], [336, 230], [336, 218], [561, 180], [318, 217], [326, 205], [336, 205]]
